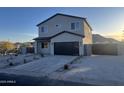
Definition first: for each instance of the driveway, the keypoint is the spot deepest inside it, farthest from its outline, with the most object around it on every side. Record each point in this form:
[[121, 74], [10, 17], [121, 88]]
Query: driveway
[[96, 69], [42, 67]]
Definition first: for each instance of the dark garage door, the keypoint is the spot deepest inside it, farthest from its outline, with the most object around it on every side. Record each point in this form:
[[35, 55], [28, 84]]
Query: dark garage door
[[66, 48]]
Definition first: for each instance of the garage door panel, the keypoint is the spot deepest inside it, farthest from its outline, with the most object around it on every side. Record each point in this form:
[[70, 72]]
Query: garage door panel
[[66, 48]]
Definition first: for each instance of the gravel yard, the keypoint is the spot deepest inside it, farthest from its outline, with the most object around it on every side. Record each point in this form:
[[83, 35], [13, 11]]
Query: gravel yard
[[42, 67], [100, 70], [95, 70], [12, 60]]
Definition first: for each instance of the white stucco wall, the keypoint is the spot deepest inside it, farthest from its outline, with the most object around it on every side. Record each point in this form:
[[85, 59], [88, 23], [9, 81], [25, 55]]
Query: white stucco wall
[[46, 50], [81, 48], [43, 50], [35, 47], [66, 37], [65, 25], [87, 34], [52, 48]]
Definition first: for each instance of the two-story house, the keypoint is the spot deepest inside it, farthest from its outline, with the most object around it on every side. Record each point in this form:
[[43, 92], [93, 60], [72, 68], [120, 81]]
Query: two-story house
[[64, 34]]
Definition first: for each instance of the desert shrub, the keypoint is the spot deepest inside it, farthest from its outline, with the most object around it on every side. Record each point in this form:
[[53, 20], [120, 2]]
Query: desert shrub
[[11, 64], [6, 47], [35, 58], [42, 55], [7, 60], [25, 61], [16, 54], [66, 67]]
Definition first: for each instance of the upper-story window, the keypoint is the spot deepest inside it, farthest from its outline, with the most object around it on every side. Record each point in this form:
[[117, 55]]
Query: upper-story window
[[43, 29], [75, 26], [72, 26]]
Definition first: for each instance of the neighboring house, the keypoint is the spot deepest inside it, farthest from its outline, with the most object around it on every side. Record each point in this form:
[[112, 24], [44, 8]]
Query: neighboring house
[[99, 39], [27, 47], [64, 34], [106, 46]]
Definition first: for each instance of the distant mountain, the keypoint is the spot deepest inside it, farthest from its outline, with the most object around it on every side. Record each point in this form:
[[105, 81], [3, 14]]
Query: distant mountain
[[101, 39]]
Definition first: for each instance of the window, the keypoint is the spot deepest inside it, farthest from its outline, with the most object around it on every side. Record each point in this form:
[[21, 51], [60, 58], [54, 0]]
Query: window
[[72, 26], [75, 26], [43, 29], [44, 45]]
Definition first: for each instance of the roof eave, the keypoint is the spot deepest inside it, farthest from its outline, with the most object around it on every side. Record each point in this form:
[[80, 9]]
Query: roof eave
[[56, 15], [85, 19], [49, 38]]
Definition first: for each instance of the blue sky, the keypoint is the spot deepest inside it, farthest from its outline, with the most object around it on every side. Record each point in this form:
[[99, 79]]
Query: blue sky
[[19, 24]]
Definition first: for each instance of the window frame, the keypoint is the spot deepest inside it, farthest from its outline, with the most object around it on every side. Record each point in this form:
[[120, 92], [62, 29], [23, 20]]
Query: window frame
[[44, 45], [72, 26], [76, 25], [43, 29]]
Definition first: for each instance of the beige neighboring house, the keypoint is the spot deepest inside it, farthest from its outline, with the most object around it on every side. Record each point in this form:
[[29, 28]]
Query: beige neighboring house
[[64, 34]]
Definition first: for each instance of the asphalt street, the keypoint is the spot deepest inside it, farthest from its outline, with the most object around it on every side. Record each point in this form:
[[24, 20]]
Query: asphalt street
[[17, 80]]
